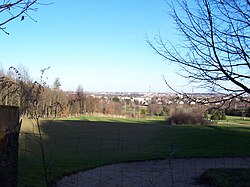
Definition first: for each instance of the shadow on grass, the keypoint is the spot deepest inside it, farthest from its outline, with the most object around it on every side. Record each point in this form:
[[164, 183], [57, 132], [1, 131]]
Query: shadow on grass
[[76, 145], [226, 177]]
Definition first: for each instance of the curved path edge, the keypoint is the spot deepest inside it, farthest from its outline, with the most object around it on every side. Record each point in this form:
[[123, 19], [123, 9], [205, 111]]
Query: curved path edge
[[178, 172]]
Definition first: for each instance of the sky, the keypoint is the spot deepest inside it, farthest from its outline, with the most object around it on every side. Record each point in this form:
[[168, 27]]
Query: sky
[[99, 44]]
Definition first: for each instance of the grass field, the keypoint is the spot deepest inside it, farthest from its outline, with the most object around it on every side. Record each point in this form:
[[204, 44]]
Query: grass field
[[81, 143], [236, 120]]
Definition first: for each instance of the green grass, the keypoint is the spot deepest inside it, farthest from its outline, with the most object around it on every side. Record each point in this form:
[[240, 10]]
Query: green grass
[[226, 177], [142, 120], [86, 142], [236, 120]]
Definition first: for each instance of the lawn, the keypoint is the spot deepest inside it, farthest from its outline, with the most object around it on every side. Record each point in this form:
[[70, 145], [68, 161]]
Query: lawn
[[81, 143], [237, 120]]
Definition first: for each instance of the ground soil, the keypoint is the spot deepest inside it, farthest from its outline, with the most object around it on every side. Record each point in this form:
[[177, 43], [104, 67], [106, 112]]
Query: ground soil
[[180, 172]]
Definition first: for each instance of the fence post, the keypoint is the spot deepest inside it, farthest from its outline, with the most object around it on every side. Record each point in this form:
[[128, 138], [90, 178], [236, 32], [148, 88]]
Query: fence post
[[9, 134]]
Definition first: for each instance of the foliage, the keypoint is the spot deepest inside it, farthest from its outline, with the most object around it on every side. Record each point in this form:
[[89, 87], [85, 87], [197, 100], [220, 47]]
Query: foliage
[[218, 115], [165, 110], [234, 112], [116, 99], [57, 84], [162, 113], [244, 112], [205, 115], [143, 112]]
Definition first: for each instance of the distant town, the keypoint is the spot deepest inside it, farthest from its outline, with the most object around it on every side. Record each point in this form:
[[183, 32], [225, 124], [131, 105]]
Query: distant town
[[145, 98]]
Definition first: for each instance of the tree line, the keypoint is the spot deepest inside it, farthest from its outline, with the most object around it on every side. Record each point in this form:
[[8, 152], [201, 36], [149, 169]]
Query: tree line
[[17, 88]]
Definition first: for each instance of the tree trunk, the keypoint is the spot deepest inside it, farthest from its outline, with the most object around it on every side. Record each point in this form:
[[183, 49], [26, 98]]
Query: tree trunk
[[9, 134]]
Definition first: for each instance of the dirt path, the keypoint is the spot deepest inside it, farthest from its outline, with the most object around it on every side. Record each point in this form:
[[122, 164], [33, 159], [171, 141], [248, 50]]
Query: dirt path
[[157, 173]]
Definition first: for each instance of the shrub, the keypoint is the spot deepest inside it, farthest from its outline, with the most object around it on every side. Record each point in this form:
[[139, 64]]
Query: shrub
[[234, 112], [162, 113], [143, 112], [154, 109], [205, 115], [218, 115], [186, 117]]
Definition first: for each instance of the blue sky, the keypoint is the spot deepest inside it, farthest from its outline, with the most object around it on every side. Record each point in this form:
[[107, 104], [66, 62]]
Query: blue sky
[[100, 44]]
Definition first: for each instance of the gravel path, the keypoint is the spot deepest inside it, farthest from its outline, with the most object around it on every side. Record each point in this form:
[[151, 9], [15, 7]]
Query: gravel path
[[158, 173]]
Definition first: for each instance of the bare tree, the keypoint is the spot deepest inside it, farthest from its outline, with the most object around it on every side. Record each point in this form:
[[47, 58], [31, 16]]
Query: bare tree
[[154, 109], [215, 52], [11, 10], [81, 98]]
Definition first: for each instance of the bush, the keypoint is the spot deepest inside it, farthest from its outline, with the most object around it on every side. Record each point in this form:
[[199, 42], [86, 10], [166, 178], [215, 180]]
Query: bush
[[186, 117], [218, 115], [234, 112], [143, 112], [162, 113], [154, 109]]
